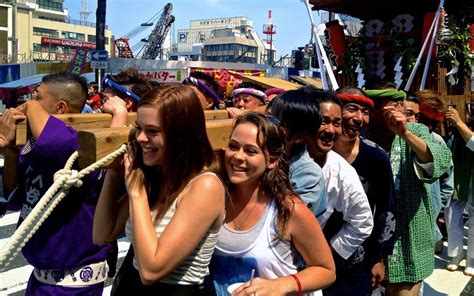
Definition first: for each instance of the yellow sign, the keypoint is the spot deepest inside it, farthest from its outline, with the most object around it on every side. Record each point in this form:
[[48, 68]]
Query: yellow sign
[[47, 68]]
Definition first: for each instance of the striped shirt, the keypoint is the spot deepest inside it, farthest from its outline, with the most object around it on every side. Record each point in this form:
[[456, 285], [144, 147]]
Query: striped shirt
[[193, 269]]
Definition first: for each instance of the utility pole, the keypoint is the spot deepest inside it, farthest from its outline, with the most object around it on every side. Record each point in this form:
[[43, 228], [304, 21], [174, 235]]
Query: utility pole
[[100, 33]]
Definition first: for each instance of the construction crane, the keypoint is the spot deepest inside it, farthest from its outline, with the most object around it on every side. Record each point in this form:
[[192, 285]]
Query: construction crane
[[154, 42], [152, 46], [123, 48]]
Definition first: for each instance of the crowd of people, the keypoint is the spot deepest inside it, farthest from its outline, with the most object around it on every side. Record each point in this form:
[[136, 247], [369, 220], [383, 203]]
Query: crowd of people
[[329, 193]]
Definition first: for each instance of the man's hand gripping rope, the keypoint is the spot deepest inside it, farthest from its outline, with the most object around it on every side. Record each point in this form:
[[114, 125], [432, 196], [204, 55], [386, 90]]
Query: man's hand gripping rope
[[63, 180]]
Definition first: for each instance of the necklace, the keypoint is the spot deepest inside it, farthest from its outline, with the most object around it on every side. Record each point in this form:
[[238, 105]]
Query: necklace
[[237, 225]]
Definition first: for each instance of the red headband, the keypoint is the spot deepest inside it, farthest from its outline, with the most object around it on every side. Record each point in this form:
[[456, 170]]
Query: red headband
[[358, 99], [430, 113]]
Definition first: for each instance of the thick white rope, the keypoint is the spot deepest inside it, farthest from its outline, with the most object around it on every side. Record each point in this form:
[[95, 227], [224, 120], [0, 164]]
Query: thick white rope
[[64, 179]]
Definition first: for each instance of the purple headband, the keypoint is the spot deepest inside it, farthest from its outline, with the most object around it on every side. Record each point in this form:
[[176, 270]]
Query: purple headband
[[274, 91], [260, 94], [201, 86]]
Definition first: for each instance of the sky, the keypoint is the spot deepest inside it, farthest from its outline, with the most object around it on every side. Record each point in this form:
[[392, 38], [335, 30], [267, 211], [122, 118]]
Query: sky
[[291, 18]]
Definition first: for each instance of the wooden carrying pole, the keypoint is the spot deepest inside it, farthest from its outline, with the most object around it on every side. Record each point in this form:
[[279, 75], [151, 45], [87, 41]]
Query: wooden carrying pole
[[82, 122], [97, 143], [97, 140]]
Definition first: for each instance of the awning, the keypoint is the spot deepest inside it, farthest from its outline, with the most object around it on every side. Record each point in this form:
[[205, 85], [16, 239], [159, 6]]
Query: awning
[[372, 9], [271, 82], [316, 82], [26, 85], [27, 81]]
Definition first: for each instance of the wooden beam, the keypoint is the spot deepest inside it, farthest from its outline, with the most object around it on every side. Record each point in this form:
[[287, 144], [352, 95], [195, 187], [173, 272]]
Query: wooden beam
[[98, 120], [77, 121], [216, 114], [97, 143], [98, 140]]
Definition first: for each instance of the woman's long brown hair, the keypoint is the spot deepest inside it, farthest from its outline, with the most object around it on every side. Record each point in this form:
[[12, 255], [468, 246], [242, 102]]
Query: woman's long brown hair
[[274, 181], [187, 150]]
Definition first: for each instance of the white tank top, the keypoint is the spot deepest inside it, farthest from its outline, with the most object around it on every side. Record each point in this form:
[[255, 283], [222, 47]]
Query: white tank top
[[266, 255], [193, 269], [233, 266]]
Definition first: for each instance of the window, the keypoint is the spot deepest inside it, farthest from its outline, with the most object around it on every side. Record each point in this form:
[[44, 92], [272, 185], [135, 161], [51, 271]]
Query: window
[[73, 36], [51, 19], [37, 47], [50, 4], [3, 17], [45, 48], [93, 39], [45, 32]]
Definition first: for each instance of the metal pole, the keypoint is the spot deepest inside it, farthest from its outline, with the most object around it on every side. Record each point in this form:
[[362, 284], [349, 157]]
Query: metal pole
[[428, 57], [270, 60], [321, 55], [413, 72], [99, 81]]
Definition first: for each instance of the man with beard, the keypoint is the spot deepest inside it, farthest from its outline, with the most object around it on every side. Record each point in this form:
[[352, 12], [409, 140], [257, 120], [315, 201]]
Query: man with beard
[[416, 161], [373, 167], [348, 221]]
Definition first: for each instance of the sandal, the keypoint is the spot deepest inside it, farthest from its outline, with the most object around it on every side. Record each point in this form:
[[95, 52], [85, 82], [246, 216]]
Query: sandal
[[454, 263], [469, 271]]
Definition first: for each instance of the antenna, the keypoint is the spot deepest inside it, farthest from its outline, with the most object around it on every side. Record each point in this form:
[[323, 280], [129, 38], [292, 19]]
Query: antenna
[[269, 29], [84, 12]]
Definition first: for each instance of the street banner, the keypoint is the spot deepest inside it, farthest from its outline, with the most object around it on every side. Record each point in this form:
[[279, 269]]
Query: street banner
[[78, 61]]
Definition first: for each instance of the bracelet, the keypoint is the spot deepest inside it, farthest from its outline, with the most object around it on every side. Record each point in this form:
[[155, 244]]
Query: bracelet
[[298, 283]]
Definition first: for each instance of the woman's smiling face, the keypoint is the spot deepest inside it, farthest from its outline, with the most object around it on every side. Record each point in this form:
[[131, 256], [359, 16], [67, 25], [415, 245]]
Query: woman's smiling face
[[245, 160], [149, 135]]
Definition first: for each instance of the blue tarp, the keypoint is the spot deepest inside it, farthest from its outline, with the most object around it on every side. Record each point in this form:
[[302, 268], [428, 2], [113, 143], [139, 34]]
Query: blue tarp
[[26, 85]]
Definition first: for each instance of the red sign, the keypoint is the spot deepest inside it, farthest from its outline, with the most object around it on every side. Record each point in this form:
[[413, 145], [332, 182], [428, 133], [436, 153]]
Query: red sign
[[67, 42]]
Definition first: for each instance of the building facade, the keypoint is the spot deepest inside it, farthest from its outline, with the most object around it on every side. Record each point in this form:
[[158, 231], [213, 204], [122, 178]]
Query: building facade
[[42, 30], [230, 39]]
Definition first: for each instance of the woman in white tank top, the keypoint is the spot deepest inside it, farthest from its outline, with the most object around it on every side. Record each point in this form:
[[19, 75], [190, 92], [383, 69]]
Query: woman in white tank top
[[267, 227], [174, 205]]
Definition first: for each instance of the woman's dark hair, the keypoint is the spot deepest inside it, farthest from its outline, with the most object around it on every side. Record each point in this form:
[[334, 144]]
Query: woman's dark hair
[[321, 95], [187, 150], [297, 112], [274, 181]]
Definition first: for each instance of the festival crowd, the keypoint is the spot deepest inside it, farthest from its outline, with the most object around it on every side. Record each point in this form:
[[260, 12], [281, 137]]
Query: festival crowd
[[316, 193]]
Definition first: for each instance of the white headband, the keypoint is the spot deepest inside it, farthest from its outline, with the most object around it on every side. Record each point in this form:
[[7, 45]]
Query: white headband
[[260, 94]]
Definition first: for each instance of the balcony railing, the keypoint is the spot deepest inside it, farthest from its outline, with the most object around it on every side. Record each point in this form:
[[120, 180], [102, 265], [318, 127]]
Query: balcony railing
[[70, 21]]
